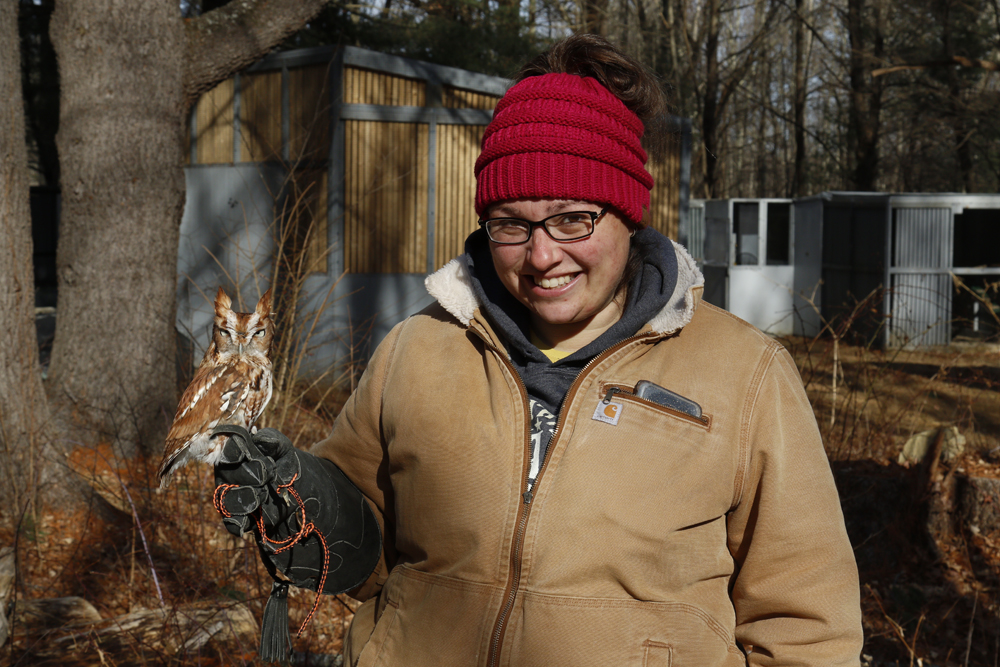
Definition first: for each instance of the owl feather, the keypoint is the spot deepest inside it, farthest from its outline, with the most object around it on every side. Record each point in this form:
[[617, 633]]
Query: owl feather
[[231, 386]]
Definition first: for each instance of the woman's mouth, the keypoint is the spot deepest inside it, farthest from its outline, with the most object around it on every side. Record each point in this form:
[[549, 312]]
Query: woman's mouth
[[552, 283]]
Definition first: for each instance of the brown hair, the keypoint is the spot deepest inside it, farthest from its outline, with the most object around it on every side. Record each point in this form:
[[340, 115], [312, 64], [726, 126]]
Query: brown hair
[[628, 80]]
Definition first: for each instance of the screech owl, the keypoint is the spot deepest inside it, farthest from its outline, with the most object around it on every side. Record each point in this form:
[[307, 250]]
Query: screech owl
[[231, 386]]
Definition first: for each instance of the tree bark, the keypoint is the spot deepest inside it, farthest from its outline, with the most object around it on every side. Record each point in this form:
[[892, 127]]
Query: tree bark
[[129, 73], [23, 408], [803, 47], [960, 129], [236, 35], [120, 145], [710, 107], [864, 114]]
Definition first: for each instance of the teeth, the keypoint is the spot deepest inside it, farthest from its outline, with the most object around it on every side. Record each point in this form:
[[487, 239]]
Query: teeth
[[549, 283]]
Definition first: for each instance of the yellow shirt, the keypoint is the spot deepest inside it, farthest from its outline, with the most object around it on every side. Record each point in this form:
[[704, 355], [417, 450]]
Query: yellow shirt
[[553, 354]]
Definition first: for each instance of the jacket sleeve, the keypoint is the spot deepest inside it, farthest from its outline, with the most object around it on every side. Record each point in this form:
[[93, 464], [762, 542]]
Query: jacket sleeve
[[356, 445], [795, 589]]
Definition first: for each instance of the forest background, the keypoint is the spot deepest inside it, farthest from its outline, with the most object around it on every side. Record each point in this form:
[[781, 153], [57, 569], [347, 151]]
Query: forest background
[[786, 98]]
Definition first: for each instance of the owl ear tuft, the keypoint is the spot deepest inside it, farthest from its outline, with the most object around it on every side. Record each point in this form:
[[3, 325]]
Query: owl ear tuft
[[263, 308], [222, 303]]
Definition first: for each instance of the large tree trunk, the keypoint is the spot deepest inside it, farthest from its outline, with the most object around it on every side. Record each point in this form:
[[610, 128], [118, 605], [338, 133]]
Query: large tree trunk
[[23, 408], [129, 72], [803, 47], [710, 107], [957, 108], [867, 49], [120, 144]]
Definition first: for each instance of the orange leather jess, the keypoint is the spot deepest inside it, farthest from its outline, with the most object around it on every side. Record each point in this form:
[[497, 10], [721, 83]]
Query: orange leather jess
[[659, 539]]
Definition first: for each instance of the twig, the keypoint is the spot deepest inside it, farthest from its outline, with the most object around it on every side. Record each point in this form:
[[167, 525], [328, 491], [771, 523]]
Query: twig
[[972, 625], [145, 545]]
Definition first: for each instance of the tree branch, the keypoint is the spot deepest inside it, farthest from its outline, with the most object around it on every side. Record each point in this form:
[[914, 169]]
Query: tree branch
[[974, 63], [224, 41]]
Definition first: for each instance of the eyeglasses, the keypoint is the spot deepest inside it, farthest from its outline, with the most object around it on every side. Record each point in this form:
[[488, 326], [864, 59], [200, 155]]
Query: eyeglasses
[[561, 227]]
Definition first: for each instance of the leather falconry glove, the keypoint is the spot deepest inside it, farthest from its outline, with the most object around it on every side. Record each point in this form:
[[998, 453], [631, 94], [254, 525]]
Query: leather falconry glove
[[313, 528]]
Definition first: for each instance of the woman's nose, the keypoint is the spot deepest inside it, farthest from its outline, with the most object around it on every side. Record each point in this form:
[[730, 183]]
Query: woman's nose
[[543, 252]]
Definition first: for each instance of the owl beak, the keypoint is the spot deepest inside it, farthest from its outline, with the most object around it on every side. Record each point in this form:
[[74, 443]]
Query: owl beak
[[241, 348]]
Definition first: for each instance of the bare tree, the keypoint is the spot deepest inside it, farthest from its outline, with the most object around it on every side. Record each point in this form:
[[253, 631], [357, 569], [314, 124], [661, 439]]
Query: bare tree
[[23, 410], [129, 72], [724, 72], [803, 51], [867, 43]]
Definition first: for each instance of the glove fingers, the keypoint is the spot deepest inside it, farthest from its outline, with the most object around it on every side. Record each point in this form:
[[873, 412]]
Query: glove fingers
[[239, 444], [272, 442], [241, 500]]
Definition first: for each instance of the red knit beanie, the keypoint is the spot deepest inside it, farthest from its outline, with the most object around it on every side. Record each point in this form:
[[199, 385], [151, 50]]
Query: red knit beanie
[[562, 136]]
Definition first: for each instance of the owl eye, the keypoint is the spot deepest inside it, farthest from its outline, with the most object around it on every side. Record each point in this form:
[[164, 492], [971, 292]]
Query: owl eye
[[224, 333], [259, 333]]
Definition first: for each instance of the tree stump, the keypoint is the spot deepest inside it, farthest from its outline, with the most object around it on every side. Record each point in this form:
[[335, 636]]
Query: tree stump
[[979, 503]]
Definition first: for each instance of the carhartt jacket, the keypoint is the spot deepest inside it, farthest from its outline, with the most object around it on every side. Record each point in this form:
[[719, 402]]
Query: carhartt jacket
[[650, 537]]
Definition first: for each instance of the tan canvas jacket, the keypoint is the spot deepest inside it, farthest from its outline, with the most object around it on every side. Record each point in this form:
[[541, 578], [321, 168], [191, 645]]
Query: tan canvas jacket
[[658, 540]]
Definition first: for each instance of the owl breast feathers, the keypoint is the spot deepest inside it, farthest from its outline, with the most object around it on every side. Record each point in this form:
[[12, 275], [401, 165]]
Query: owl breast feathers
[[231, 386]]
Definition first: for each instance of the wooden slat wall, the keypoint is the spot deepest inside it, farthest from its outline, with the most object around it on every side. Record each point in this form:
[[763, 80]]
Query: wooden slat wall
[[309, 108], [457, 98], [260, 117], [385, 166], [306, 209], [664, 202], [363, 86], [385, 208], [214, 126], [455, 215]]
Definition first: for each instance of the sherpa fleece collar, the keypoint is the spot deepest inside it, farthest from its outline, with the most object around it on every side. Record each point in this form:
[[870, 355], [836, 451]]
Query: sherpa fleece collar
[[451, 286]]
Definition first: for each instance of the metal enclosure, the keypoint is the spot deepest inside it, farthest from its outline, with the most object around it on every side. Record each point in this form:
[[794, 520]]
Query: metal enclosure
[[747, 255], [920, 265]]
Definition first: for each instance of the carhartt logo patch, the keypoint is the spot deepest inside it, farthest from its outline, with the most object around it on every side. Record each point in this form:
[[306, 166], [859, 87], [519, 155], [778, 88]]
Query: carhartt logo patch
[[608, 412]]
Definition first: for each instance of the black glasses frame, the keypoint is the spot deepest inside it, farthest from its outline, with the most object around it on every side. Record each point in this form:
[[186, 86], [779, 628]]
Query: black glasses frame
[[594, 217]]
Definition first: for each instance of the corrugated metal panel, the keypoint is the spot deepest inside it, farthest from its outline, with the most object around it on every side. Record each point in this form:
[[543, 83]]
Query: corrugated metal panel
[[455, 218], [922, 237], [696, 232], [457, 98], [363, 86], [260, 117], [921, 307], [385, 209], [214, 125], [921, 302]]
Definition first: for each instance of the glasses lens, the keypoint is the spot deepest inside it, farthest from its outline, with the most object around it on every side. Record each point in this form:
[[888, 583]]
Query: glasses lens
[[569, 226], [508, 230]]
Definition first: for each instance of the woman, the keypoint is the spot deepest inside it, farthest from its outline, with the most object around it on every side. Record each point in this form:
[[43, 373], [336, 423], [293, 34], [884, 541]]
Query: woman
[[533, 509]]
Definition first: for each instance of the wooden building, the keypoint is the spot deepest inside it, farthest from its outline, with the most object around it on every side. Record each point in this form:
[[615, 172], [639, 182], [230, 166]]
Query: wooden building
[[356, 168]]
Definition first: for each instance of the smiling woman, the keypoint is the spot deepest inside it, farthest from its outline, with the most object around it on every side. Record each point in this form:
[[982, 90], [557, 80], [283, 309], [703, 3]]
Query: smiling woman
[[568, 286], [572, 460]]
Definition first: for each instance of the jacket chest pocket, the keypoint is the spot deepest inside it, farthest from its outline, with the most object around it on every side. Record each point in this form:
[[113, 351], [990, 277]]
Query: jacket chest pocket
[[653, 472], [611, 392]]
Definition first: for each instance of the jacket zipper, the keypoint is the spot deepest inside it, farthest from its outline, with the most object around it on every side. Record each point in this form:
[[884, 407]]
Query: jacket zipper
[[514, 579]]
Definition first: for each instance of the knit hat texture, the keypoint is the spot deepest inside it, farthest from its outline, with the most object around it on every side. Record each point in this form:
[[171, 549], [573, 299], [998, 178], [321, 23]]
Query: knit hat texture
[[562, 136]]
